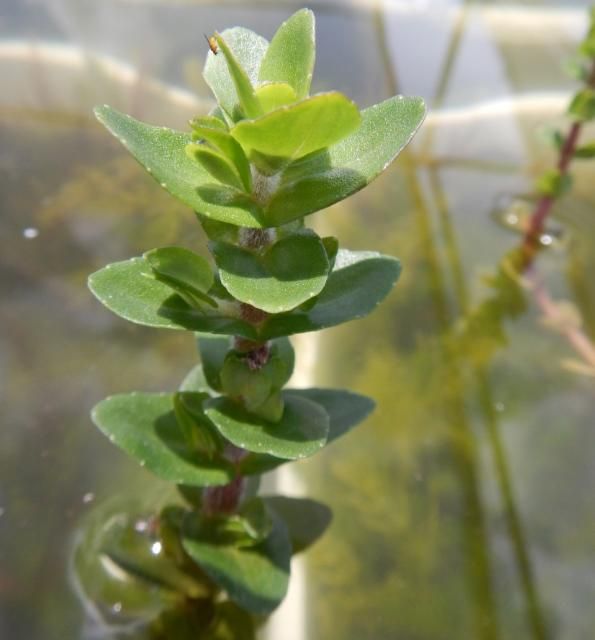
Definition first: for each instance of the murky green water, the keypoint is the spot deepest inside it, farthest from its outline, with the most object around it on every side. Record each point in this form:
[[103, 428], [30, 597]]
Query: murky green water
[[464, 507]]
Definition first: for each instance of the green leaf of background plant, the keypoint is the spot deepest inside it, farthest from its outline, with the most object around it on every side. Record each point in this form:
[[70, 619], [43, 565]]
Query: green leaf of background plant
[[359, 281], [249, 49], [344, 408], [291, 53], [306, 520], [582, 106], [145, 427], [296, 130], [256, 578], [162, 152], [301, 432], [315, 182], [125, 289], [291, 271], [587, 151]]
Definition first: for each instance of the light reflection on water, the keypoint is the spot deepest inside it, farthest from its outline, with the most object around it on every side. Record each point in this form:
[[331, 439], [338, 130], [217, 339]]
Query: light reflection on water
[[463, 504]]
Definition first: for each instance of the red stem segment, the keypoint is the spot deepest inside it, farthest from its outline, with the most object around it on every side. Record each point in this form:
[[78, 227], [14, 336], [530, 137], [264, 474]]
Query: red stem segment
[[544, 205]]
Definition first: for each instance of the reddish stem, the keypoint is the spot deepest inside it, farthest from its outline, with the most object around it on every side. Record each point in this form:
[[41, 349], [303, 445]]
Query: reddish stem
[[544, 205]]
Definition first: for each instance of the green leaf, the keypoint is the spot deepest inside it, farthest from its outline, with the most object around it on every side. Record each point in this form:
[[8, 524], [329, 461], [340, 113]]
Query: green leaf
[[301, 432], [241, 382], [315, 182], [582, 106], [291, 271], [586, 151], [222, 140], [212, 350], [291, 53], [162, 152], [306, 520], [217, 165], [553, 184], [124, 288], [358, 283], [196, 427], [256, 578], [145, 427], [344, 408], [249, 103], [296, 130], [249, 49], [183, 270], [274, 95]]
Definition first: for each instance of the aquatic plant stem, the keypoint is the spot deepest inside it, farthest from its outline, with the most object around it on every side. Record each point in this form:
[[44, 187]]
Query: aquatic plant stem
[[545, 204]]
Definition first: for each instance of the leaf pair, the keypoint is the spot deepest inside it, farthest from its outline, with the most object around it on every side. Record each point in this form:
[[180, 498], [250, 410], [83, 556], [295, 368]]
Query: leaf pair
[[145, 426], [256, 577], [358, 283], [303, 187], [248, 62]]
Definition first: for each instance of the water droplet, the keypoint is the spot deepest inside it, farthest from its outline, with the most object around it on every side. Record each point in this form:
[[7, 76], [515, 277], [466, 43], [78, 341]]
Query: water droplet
[[88, 497], [124, 141], [499, 406], [149, 170], [117, 607], [546, 239], [112, 438], [141, 526], [164, 185], [142, 463], [156, 548], [30, 233]]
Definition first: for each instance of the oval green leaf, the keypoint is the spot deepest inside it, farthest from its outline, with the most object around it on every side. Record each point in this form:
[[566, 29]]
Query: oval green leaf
[[301, 432], [316, 182], [184, 269], [344, 408], [125, 289], [296, 130], [359, 281], [145, 427], [306, 520], [162, 152], [217, 165], [256, 578], [274, 95], [291, 271], [291, 53], [203, 129]]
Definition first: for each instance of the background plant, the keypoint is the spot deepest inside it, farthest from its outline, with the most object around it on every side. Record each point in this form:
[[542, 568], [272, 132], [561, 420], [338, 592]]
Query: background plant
[[267, 156]]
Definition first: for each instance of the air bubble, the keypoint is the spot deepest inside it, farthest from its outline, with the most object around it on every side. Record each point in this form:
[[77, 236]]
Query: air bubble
[[117, 607], [88, 497], [30, 233], [156, 548]]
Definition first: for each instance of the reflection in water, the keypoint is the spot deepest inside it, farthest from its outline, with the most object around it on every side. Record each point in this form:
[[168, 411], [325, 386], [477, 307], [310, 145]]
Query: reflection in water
[[462, 507]]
